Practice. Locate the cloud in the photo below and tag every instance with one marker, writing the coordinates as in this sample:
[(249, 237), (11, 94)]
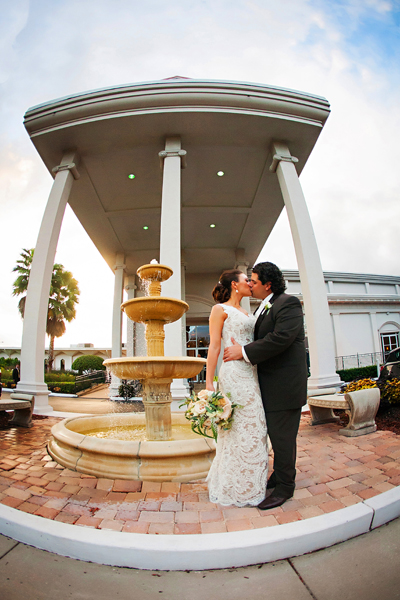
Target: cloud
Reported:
[(345, 50)]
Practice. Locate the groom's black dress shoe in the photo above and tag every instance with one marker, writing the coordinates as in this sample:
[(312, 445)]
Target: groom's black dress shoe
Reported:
[(272, 502)]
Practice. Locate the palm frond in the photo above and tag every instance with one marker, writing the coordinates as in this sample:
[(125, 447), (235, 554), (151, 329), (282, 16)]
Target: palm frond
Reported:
[(63, 296)]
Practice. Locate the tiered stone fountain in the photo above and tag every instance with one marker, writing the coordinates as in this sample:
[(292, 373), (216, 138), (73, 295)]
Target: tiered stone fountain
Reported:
[(165, 449)]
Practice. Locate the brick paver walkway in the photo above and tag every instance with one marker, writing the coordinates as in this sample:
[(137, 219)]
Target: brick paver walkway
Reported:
[(333, 472)]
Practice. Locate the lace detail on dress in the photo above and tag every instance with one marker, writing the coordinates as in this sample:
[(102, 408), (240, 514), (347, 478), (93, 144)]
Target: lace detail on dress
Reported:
[(238, 474)]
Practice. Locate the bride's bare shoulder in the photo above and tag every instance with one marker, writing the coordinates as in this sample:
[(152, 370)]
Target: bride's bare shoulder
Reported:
[(218, 311)]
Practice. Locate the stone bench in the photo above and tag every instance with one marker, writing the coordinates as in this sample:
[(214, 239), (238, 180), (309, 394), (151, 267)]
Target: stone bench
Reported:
[(22, 405), (361, 407)]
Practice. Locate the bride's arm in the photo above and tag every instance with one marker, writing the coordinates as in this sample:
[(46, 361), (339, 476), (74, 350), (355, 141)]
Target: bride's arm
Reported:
[(217, 318)]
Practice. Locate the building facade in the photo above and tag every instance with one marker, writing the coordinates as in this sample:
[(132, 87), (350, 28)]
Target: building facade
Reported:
[(364, 312)]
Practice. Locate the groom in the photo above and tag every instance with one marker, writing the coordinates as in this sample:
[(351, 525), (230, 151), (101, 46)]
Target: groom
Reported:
[(279, 352)]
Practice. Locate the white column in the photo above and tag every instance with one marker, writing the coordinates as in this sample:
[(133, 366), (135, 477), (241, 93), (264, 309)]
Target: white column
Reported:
[(320, 334), (376, 340), (37, 298), (183, 296), (130, 288), (170, 247), (116, 339), (337, 331)]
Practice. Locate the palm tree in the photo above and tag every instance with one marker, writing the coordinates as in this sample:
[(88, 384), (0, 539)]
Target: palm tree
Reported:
[(63, 297)]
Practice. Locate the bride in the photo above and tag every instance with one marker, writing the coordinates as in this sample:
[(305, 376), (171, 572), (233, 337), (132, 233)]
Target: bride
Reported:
[(238, 474)]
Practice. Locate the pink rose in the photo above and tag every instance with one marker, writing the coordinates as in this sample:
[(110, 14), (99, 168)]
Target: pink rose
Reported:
[(226, 405)]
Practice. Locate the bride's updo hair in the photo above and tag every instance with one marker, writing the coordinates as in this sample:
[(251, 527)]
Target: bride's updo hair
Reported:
[(222, 291)]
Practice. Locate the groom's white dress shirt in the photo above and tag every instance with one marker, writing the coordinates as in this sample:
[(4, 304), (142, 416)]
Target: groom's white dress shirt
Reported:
[(260, 309)]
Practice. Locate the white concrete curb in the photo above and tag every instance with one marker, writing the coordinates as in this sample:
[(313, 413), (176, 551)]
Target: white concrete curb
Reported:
[(199, 552), (386, 507)]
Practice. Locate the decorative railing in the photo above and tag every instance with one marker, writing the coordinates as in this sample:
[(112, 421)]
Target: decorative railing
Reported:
[(353, 361)]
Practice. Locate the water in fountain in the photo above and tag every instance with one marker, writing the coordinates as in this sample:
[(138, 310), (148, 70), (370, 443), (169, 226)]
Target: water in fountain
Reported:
[(133, 433)]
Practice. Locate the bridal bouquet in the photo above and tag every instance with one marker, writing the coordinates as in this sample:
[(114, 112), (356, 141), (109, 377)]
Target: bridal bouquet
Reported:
[(209, 410)]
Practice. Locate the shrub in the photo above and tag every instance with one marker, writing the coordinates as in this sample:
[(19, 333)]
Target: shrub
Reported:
[(7, 383), (59, 377), (390, 391), (6, 374), (68, 387), (63, 372), (360, 384), (64, 387), (129, 389), (8, 362), (357, 373), (90, 362)]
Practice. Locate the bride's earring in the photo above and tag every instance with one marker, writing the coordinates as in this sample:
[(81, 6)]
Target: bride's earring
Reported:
[(237, 291)]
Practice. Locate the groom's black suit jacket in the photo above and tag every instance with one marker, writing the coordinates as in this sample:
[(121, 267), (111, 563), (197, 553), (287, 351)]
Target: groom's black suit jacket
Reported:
[(279, 352)]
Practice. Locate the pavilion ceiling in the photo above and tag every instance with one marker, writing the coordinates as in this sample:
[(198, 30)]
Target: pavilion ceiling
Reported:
[(223, 127)]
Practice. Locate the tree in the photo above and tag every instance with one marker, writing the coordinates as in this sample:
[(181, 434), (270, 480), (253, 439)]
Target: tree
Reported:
[(88, 362), (63, 297)]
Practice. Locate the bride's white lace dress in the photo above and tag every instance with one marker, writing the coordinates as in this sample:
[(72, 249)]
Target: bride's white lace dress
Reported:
[(238, 474)]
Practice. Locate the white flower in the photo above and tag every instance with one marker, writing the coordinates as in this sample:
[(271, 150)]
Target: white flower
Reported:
[(204, 394), (199, 407)]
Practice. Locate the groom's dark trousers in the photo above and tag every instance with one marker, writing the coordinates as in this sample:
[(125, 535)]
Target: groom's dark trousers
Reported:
[(279, 352)]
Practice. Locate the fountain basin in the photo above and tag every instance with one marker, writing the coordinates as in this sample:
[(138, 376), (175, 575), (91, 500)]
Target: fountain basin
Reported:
[(175, 460), (148, 308), (155, 367)]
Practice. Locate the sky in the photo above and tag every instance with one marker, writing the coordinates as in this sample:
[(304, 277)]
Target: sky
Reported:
[(345, 50)]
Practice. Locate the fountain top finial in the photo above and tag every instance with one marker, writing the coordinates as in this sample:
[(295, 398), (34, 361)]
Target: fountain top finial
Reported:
[(154, 272)]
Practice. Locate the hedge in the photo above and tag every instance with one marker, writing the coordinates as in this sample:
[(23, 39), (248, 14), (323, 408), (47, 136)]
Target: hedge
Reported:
[(357, 373), (7, 383), (58, 387), (63, 387), (68, 387), (62, 377)]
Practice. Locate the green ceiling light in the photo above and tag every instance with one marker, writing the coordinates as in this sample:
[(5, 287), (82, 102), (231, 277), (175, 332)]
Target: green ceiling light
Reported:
[(220, 173), (145, 227), (212, 225), (131, 176)]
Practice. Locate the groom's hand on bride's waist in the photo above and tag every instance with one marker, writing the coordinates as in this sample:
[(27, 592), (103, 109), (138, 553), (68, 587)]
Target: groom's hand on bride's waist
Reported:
[(233, 352)]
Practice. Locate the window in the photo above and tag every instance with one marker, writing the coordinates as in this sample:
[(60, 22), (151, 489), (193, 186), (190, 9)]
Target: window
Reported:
[(389, 342), (197, 343)]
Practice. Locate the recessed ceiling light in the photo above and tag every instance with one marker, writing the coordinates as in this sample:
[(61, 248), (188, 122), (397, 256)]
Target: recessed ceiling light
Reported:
[(212, 225), (131, 176), (220, 173), (145, 226)]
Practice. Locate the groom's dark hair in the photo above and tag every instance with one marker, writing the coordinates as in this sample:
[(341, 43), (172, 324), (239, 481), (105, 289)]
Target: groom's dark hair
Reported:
[(268, 272)]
